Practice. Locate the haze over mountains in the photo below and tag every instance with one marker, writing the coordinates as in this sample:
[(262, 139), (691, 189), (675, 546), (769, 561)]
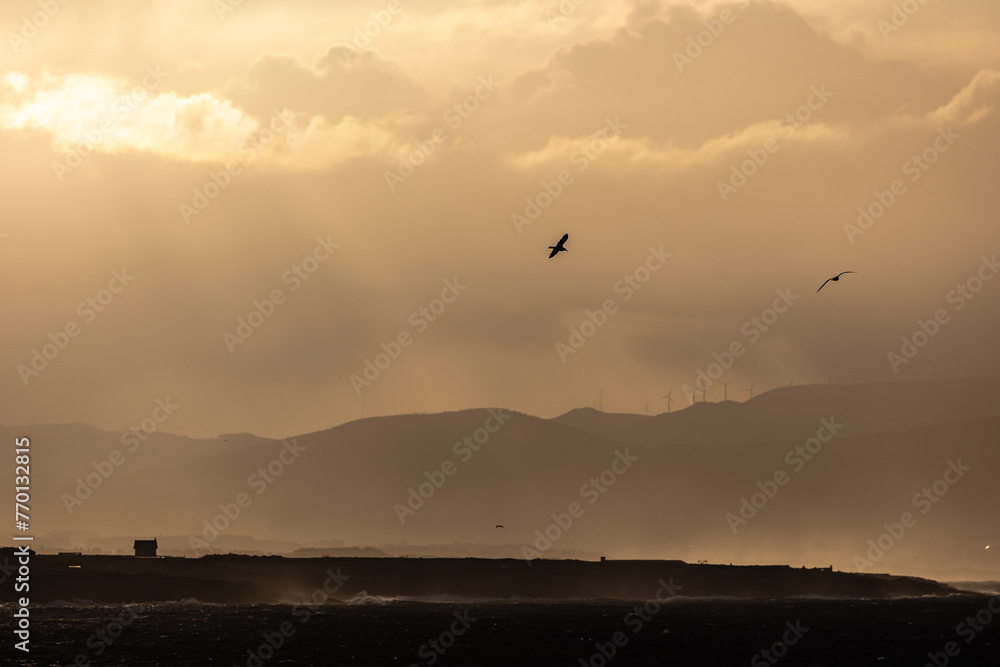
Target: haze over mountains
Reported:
[(789, 412), (680, 485)]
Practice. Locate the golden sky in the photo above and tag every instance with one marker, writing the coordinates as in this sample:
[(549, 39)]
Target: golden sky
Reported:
[(384, 178)]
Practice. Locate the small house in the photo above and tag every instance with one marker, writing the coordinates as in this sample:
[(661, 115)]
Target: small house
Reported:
[(145, 548)]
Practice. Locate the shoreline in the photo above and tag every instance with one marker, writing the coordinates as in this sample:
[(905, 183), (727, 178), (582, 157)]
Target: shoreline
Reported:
[(277, 579)]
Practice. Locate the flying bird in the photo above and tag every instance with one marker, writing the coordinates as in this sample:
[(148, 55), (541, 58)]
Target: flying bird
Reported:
[(559, 247), (499, 526), (835, 278)]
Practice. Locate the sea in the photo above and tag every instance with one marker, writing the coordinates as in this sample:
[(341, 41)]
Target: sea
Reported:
[(450, 630)]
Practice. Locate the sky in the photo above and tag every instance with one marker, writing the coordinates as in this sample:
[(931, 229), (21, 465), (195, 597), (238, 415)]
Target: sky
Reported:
[(284, 216)]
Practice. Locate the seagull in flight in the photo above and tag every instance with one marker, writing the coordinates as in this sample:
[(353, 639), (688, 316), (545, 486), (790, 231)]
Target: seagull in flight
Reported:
[(559, 247), (499, 526), (835, 278)]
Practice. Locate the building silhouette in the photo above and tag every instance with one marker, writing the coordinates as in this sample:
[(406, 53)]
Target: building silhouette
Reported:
[(145, 548)]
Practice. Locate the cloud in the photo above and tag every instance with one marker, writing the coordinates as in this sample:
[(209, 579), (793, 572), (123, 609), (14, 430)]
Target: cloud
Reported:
[(109, 116), (973, 103), (342, 81), (85, 113)]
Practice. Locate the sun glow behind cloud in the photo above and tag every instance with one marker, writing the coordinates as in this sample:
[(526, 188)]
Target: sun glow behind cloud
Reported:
[(94, 112)]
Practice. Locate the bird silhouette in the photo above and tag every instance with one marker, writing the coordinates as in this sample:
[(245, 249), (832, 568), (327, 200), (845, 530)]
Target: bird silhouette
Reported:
[(499, 526), (835, 278), (559, 247)]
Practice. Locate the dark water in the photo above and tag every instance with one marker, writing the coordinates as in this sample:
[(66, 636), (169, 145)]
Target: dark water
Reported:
[(475, 632)]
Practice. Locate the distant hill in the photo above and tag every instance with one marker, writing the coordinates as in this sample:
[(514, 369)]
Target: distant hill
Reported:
[(353, 483), (792, 413), (70, 450)]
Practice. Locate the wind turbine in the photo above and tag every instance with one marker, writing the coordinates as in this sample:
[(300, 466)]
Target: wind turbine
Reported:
[(725, 390), (669, 400), (750, 389), (704, 393)]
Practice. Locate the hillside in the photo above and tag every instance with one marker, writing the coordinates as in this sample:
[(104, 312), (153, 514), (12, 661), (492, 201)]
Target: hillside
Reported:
[(424, 480), (792, 412)]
